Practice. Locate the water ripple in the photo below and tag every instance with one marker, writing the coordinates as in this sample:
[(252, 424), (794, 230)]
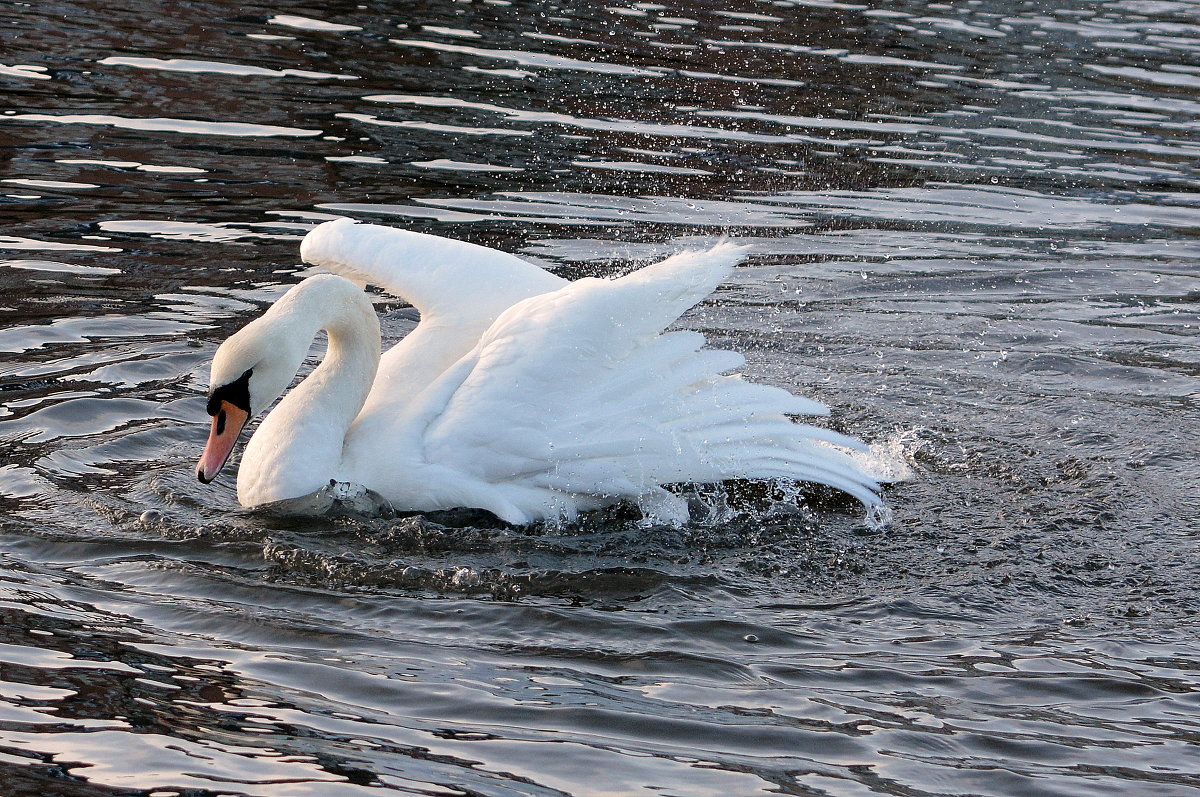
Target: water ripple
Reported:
[(972, 232)]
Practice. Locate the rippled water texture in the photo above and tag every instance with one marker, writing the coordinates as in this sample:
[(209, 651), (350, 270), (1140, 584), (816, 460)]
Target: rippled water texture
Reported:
[(974, 230)]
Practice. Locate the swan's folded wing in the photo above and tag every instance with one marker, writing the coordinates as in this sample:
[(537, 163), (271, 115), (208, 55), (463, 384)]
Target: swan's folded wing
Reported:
[(439, 276), (581, 392)]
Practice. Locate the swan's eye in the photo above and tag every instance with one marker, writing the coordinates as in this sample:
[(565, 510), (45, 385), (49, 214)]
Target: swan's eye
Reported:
[(236, 393)]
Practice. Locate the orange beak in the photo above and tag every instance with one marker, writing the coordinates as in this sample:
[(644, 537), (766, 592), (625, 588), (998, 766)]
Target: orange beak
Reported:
[(226, 426)]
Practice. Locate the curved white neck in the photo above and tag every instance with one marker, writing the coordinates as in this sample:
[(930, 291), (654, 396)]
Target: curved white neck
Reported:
[(298, 447)]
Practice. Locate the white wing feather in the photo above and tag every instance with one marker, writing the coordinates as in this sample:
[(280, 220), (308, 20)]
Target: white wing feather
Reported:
[(459, 289), (580, 393), (439, 276)]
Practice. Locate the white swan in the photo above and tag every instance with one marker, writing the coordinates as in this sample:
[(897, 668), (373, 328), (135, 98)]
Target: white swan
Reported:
[(518, 392)]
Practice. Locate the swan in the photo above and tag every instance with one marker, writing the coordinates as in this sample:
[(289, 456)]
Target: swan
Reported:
[(518, 392)]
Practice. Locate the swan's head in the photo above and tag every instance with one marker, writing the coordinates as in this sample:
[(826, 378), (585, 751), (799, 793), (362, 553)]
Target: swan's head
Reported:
[(249, 371)]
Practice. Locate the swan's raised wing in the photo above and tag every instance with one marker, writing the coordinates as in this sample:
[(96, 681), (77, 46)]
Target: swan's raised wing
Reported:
[(580, 392), (439, 276)]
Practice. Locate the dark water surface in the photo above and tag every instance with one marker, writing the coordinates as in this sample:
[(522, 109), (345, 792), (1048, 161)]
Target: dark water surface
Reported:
[(975, 238)]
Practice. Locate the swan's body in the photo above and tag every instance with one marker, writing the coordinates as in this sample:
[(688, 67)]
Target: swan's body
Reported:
[(518, 392)]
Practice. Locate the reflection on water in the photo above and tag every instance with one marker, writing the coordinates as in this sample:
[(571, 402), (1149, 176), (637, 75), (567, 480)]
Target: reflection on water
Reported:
[(974, 234)]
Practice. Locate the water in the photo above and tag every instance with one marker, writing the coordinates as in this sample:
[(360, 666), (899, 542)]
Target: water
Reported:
[(975, 238)]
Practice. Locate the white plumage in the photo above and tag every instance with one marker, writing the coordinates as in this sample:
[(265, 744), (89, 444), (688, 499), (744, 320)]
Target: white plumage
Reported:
[(518, 392)]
